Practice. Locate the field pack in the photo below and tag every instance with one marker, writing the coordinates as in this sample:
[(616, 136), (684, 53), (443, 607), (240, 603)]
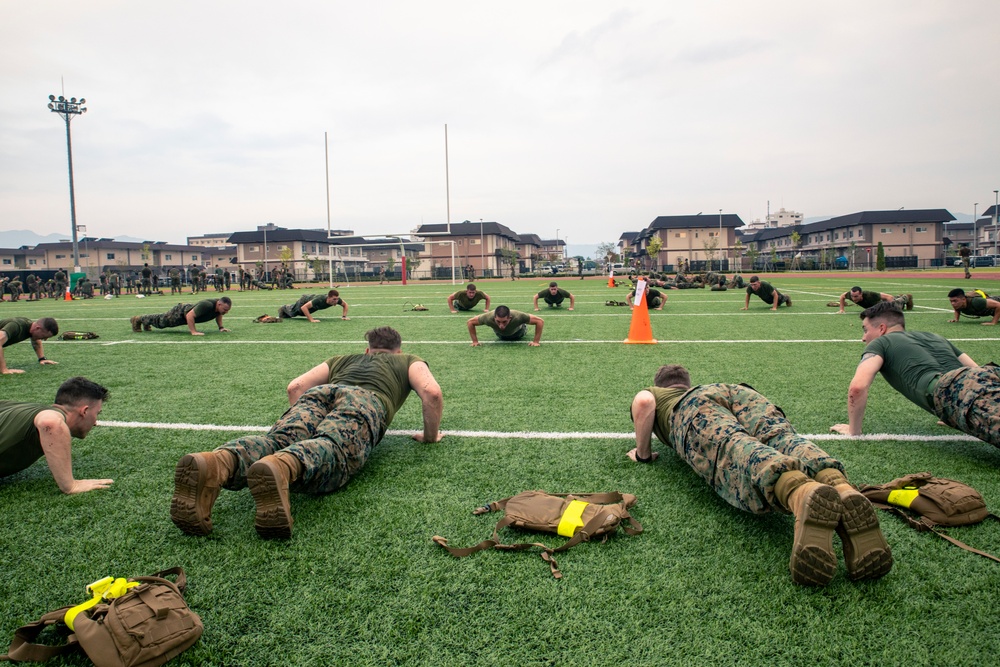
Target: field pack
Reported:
[(266, 319), (931, 502), (580, 517), (139, 622), (78, 335)]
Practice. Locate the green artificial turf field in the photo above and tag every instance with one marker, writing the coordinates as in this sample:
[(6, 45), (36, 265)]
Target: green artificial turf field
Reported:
[(361, 583)]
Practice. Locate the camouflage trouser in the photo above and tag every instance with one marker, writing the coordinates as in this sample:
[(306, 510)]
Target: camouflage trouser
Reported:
[(900, 301), (295, 309), (965, 265), (969, 399), (517, 334), (175, 285), (331, 429), (175, 317), (740, 443), (553, 300), (784, 299)]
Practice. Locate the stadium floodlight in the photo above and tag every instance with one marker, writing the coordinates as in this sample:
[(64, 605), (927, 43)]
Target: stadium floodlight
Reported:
[(68, 109)]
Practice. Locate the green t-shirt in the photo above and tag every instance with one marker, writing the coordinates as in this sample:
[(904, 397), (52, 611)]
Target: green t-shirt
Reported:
[(517, 320), (911, 359), (204, 311), (386, 374), (868, 298), (319, 303), (549, 297), (666, 399), (765, 292), (16, 328), (976, 307), (464, 302), (20, 445)]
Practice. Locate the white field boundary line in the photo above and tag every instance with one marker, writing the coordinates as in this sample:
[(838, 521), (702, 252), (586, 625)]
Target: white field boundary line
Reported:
[(662, 341), (538, 435)]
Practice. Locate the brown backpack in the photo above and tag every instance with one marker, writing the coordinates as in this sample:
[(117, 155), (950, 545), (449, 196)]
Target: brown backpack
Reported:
[(580, 517), (78, 335), (144, 627), (935, 501)]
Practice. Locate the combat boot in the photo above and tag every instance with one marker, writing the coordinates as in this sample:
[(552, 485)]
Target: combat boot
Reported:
[(198, 479), (817, 509), (909, 302), (136, 324), (269, 479), (866, 553)]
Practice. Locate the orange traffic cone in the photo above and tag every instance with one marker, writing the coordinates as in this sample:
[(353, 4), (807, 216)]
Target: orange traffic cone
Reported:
[(640, 331), (611, 279), (69, 297)]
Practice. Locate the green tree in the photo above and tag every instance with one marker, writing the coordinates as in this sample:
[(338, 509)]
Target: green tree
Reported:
[(880, 258), (774, 257), (390, 264), (738, 255), (852, 251), (653, 249), (606, 252), (796, 241), (711, 247), (753, 253)]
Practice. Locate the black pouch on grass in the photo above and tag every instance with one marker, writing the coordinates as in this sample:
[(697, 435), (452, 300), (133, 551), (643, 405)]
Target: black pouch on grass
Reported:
[(930, 502), (580, 517), (79, 335), (146, 626)]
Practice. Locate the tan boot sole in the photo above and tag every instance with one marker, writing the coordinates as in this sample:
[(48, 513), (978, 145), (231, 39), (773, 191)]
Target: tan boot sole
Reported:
[(190, 478), (270, 493), (866, 552), (813, 561)]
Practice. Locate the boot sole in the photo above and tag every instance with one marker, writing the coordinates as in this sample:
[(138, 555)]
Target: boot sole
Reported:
[(866, 552), (274, 515), (189, 482), (813, 561)]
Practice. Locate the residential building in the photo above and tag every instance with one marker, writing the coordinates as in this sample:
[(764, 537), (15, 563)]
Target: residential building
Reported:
[(482, 245), (908, 237), (696, 239)]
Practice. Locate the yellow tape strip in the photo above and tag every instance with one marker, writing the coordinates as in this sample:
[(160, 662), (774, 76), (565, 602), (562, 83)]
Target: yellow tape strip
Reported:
[(572, 518), (903, 497)]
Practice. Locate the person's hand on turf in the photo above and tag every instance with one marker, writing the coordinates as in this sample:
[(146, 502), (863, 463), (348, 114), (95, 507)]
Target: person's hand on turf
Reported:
[(632, 454), (197, 333), (12, 371), (534, 344)]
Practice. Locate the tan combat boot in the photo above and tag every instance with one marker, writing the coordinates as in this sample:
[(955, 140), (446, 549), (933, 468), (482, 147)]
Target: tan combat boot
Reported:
[(198, 479), (866, 553), (817, 509), (269, 479)]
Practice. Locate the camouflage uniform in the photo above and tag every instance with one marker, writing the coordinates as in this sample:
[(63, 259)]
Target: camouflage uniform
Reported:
[(968, 399), (175, 317), (331, 430), (740, 443), (175, 280)]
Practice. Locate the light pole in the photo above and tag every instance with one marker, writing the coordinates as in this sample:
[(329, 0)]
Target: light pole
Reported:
[(557, 241), (975, 228), (996, 203), (67, 109), (720, 240), (86, 247), (482, 250)]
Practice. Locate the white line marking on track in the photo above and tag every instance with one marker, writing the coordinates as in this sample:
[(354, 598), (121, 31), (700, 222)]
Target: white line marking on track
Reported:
[(661, 341), (540, 435)]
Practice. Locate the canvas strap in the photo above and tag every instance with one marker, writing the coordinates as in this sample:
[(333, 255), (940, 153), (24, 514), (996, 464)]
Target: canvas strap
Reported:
[(923, 524), (582, 535), (22, 647)]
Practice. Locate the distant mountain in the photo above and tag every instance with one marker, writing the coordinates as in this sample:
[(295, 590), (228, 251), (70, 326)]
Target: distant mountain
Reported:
[(19, 237)]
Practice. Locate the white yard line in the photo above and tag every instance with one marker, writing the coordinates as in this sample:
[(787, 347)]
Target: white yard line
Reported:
[(536, 435)]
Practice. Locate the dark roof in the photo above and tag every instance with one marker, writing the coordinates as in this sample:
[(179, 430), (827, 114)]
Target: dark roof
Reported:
[(929, 215), (279, 235), (468, 229), (531, 239), (628, 236), (377, 241), (127, 245), (689, 221), (885, 217), (556, 242), (988, 213)]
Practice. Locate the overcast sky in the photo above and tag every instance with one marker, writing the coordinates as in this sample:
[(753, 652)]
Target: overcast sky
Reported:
[(586, 117)]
